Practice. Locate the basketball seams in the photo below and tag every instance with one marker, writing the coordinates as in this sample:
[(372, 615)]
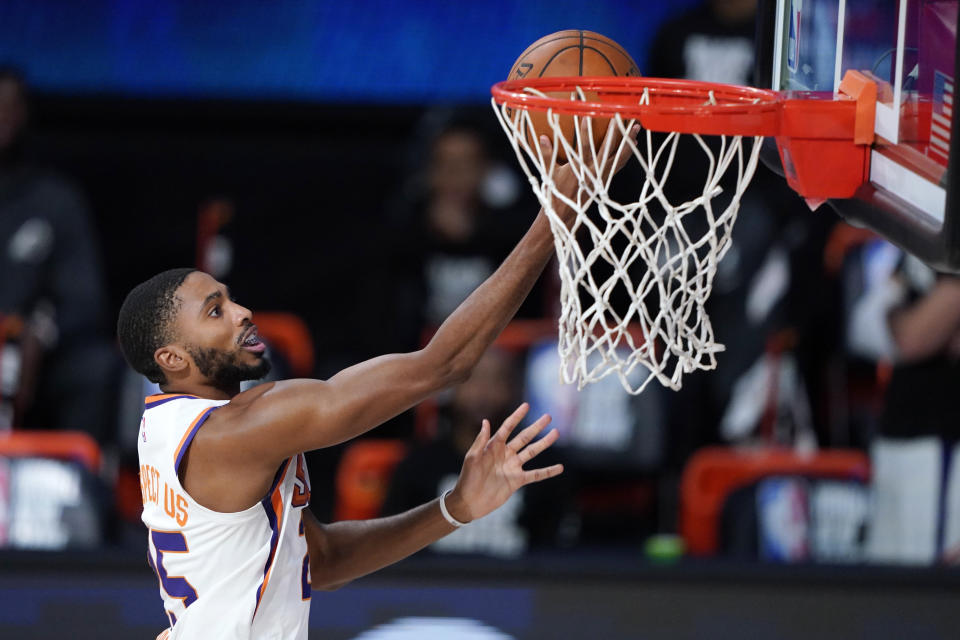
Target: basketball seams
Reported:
[(582, 42), (580, 70), (546, 65), (604, 40), (612, 45), (602, 55), (530, 50), (551, 56), (613, 68), (537, 45)]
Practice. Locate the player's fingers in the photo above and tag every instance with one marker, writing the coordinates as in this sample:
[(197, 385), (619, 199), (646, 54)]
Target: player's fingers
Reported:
[(587, 143), (539, 475), (627, 147), (611, 139), (632, 134), (620, 151), (617, 149), (537, 447), (546, 146), (512, 421), (482, 437), (526, 436)]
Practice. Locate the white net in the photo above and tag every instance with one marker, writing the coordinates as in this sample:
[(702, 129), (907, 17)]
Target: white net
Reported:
[(635, 274)]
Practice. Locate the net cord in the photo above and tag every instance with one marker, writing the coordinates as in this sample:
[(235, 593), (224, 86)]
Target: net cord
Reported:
[(673, 268)]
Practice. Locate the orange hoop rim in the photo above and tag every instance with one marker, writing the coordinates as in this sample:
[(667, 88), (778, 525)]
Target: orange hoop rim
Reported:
[(674, 105)]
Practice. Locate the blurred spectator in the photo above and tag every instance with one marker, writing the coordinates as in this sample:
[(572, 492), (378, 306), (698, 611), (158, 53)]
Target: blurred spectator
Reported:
[(52, 282), (537, 515), (456, 220), (907, 314), (760, 307), (612, 442), (712, 41), (601, 426)]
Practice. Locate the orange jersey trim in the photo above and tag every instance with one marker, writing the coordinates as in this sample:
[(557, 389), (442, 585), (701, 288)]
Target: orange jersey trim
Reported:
[(159, 398), (188, 436), (274, 516), (163, 396)]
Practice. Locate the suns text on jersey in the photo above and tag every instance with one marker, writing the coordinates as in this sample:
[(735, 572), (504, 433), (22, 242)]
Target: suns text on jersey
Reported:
[(174, 503)]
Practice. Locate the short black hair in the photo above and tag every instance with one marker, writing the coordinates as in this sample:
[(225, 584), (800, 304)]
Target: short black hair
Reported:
[(143, 325)]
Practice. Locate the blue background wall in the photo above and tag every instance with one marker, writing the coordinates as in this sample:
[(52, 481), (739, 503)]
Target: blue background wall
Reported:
[(365, 50)]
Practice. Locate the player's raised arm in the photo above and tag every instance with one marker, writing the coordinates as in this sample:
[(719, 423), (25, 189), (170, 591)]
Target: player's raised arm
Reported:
[(285, 418), (295, 416)]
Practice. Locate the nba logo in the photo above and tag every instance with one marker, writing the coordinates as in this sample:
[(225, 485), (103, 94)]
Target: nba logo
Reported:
[(143, 429), (793, 38)]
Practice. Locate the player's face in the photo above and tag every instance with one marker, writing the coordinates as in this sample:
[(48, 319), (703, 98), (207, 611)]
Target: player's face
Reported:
[(218, 333)]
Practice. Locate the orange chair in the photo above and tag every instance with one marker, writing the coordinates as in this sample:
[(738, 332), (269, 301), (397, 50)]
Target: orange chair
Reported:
[(713, 473), (288, 334), (363, 477), (63, 445), (15, 330)]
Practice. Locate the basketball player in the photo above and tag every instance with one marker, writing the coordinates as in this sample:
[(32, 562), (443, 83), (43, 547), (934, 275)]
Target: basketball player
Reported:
[(222, 472)]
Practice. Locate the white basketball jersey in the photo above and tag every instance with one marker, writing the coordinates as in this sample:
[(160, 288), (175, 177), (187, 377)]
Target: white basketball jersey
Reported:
[(222, 575)]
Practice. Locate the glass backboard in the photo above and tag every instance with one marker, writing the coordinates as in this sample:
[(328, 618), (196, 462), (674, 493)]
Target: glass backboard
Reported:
[(909, 47)]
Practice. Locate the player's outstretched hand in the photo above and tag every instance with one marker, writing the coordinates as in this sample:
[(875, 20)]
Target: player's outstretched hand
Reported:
[(611, 156), (606, 157), (493, 467), (589, 164)]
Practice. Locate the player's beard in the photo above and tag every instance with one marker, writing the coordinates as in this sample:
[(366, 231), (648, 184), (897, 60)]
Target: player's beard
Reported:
[(224, 368)]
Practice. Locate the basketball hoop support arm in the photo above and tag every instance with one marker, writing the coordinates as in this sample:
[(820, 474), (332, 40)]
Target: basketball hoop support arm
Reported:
[(824, 140)]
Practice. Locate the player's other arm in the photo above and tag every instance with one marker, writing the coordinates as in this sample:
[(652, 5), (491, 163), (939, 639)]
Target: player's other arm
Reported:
[(492, 472)]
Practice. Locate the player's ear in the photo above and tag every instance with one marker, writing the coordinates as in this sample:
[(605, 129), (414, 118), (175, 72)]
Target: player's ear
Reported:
[(172, 359)]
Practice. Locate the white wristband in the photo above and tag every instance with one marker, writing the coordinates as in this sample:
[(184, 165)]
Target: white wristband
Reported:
[(446, 514)]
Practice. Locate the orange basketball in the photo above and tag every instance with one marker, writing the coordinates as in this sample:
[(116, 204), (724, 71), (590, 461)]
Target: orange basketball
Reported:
[(572, 52)]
